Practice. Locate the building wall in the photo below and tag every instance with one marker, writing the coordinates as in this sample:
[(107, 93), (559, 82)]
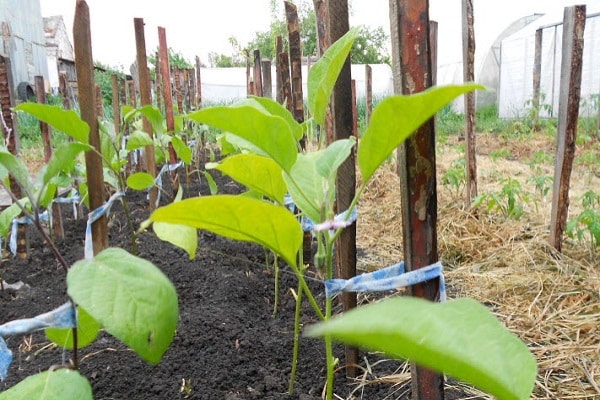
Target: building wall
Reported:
[(23, 40)]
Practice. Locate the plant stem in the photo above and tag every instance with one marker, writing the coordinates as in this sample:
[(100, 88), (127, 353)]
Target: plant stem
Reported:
[(297, 316)]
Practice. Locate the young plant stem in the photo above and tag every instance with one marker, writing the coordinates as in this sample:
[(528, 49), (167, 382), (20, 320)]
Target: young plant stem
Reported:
[(297, 316), (276, 272)]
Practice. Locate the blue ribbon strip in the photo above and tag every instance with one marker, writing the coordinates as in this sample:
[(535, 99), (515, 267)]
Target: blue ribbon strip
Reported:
[(62, 317), (93, 217), (339, 221), (158, 179), (392, 277)]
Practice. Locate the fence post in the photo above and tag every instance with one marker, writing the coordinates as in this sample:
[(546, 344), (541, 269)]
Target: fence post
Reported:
[(88, 106), (257, 74), (291, 14), (469, 76), (537, 75), (368, 93), (568, 115), (416, 165), (267, 79), (342, 123)]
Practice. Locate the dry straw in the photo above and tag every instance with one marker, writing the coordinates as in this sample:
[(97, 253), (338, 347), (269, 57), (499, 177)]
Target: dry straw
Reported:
[(550, 300)]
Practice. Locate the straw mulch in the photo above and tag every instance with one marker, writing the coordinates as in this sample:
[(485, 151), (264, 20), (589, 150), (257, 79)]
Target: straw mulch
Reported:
[(550, 300)]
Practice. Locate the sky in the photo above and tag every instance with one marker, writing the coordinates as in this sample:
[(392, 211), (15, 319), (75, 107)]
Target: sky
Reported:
[(203, 26)]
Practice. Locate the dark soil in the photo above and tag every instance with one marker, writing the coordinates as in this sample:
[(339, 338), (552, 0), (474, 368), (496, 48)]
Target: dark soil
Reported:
[(228, 344)]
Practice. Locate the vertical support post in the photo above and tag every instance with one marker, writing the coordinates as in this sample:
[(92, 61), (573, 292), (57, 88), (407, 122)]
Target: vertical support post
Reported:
[(354, 112), (165, 72), (368, 93), (198, 84), (278, 73), (537, 76), (568, 115), (257, 73), (342, 121), (283, 62), (87, 103), (63, 89), (178, 89), (116, 103), (44, 128), (468, 33), (57, 226), (267, 80), (291, 14), (433, 50), (416, 165), (323, 42), (145, 100), (99, 103)]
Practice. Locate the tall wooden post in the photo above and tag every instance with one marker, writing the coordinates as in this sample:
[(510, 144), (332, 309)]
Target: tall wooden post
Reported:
[(145, 100), (278, 73), (257, 71), (198, 84), (64, 90), (368, 93), (87, 103), (291, 14), (416, 165), (116, 103), (469, 76), (165, 72), (342, 123), (568, 115)]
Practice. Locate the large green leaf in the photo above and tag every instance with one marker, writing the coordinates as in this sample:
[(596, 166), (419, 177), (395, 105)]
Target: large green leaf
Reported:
[(62, 159), (18, 170), (258, 173), (87, 331), (333, 156), (460, 338), (239, 218), (138, 139), (324, 73), (275, 108), (270, 133), (11, 212), (61, 384), (130, 297), (182, 150), (151, 113), (307, 187), (66, 121), (183, 236), (140, 181), (396, 118)]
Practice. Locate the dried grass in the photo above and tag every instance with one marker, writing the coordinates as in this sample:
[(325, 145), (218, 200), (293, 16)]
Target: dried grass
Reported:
[(550, 300)]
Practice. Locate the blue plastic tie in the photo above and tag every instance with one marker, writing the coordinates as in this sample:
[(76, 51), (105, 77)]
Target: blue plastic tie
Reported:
[(392, 277), (64, 316), (93, 217), (158, 179)]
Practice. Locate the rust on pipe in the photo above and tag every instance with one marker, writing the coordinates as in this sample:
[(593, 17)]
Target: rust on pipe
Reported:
[(87, 102), (145, 100)]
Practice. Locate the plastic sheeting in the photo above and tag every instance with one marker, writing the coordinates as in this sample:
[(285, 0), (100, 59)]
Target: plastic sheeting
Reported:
[(516, 67)]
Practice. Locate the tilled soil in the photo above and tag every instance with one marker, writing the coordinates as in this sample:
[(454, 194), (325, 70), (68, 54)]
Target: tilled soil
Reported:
[(228, 343)]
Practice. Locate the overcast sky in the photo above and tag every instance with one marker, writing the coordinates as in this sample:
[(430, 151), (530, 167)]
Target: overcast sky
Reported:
[(199, 27)]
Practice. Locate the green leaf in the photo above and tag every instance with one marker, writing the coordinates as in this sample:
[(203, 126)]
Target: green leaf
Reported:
[(87, 331), (324, 73), (258, 173), (182, 149), (333, 156), (61, 384), (239, 218), (396, 118), (460, 338), (182, 236), (62, 159), (11, 212), (130, 297), (47, 195), (66, 121), (140, 181), (154, 117), (270, 133), (18, 170), (274, 108), (138, 139), (212, 185)]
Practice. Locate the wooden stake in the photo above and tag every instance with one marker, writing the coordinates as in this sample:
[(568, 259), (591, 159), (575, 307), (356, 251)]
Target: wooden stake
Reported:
[(416, 165), (278, 74), (568, 115), (342, 118), (267, 80), (198, 84), (87, 104), (368, 93), (116, 103), (44, 128), (145, 100), (291, 14), (469, 76), (537, 76)]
